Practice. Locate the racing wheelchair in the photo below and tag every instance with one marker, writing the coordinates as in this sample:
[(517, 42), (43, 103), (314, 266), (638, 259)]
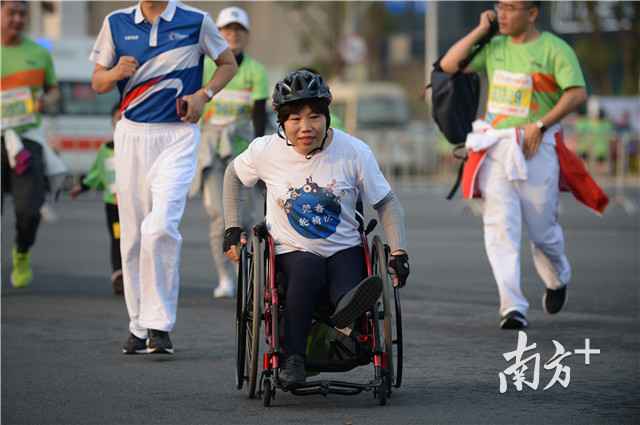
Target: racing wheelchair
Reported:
[(376, 337)]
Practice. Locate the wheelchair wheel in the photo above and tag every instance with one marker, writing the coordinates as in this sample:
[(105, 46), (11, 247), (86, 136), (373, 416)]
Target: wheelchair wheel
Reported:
[(253, 307), (267, 392), (241, 314), (383, 392), (392, 315)]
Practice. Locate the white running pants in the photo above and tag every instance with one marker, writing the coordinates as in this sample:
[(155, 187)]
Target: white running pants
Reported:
[(506, 204), (212, 182), (154, 164)]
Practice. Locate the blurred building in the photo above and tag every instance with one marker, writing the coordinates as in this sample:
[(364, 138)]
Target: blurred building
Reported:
[(353, 41), (290, 34)]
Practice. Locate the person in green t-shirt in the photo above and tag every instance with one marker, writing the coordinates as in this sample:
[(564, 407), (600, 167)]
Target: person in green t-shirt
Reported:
[(595, 134), (102, 177), (28, 85), (231, 120), (534, 82)]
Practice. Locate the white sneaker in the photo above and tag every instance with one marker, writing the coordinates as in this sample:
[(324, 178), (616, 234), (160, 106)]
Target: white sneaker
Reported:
[(225, 289), (48, 214)]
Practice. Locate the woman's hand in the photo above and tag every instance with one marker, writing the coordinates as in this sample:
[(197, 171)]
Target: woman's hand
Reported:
[(399, 268), (234, 238)]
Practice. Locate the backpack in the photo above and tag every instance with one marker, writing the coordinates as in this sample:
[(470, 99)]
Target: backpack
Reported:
[(329, 350), (455, 99)]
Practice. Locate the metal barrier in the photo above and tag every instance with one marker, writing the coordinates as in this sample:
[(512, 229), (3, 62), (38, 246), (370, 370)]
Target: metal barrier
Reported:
[(403, 152), (623, 157)]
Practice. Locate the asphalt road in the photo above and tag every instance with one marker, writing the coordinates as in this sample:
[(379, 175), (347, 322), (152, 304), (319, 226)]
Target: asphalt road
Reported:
[(61, 337)]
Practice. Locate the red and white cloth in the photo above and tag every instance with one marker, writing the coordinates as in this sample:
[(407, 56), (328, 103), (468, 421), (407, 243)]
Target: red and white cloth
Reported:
[(574, 177)]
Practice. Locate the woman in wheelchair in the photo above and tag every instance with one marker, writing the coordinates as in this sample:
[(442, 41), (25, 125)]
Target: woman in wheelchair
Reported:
[(314, 175)]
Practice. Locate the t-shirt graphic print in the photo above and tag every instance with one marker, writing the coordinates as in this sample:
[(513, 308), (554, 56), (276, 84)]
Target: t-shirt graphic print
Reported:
[(313, 211)]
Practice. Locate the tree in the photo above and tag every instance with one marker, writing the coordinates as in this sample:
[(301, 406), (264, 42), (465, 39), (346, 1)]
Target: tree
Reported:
[(326, 24), (599, 51), (321, 32), (629, 42)]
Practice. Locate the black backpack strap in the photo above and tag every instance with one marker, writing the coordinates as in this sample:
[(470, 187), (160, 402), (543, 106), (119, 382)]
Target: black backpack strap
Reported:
[(463, 159), (466, 61)]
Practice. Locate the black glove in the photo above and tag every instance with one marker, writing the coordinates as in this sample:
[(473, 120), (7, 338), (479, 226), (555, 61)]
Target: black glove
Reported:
[(231, 238), (399, 268)]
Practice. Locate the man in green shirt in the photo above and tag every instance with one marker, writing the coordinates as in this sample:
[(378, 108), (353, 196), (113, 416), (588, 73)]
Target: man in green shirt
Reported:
[(102, 177), (229, 123), (534, 81), (28, 85)]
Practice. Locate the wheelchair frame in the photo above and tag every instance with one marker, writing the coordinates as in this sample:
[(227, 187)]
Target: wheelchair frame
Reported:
[(258, 300)]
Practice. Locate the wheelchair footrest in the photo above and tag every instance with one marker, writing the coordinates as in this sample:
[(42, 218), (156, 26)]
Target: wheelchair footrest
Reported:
[(325, 387)]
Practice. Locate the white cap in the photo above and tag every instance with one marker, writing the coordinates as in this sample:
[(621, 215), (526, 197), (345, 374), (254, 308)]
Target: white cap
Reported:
[(232, 15)]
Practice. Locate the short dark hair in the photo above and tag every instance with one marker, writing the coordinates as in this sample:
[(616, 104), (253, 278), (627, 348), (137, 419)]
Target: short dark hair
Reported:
[(537, 4), (24, 3), (319, 106)]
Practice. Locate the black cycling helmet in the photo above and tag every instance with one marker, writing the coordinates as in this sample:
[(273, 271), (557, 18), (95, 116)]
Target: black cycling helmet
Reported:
[(300, 85)]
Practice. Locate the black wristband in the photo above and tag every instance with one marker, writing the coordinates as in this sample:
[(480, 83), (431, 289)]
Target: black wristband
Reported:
[(231, 238)]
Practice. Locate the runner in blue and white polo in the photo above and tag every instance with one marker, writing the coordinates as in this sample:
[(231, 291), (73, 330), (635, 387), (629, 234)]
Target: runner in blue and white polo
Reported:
[(154, 53)]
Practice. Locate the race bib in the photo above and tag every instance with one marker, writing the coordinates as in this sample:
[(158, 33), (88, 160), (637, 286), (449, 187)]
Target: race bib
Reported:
[(18, 108), (228, 106), (510, 94)]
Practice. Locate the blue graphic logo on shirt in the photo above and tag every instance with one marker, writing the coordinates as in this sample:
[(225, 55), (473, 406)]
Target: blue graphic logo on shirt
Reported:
[(313, 211)]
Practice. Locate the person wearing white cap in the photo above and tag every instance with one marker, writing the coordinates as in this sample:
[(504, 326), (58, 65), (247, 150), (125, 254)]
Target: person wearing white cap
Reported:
[(153, 53), (230, 121)]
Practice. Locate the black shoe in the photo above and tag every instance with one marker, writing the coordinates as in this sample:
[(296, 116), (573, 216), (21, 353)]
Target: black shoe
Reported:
[(134, 345), (357, 301), (514, 320), (159, 342), (117, 283), (553, 299), (293, 373)]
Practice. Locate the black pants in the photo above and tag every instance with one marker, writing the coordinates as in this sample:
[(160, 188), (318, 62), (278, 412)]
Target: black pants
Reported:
[(113, 224), (28, 192), (311, 280)]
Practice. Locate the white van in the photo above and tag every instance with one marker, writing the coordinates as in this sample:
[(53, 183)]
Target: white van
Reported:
[(379, 114), (82, 122)]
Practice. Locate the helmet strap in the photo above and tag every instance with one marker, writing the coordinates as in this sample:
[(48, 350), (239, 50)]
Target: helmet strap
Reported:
[(310, 154), (285, 138)]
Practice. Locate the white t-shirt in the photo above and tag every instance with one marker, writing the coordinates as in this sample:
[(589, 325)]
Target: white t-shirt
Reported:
[(311, 202)]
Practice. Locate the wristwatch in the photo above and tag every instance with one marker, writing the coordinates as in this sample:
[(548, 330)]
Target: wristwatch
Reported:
[(208, 92), (541, 126)]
